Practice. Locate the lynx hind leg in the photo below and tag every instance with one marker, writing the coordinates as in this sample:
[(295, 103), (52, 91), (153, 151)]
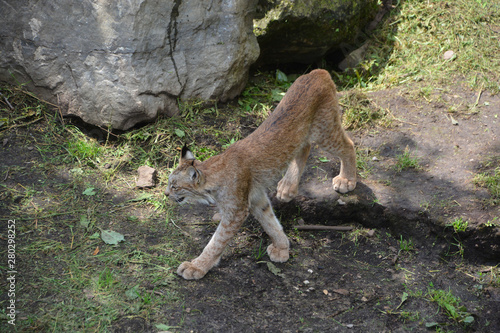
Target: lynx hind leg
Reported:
[(344, 149), (346, 180), (262, 210), (330, 135), (288, 186)]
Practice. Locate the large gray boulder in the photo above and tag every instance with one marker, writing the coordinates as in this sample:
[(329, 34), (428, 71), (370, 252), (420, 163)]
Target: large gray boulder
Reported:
[(121, 62), (304, 31)]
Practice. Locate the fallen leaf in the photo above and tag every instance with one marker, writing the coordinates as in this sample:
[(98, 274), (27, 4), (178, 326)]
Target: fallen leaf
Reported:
[(96, 251), (89, 191), (111, 237), (344, 292), (404, 297), (275, 270), (325, 292), (281, 77), (84, 221), (163, 327), (180, 133)]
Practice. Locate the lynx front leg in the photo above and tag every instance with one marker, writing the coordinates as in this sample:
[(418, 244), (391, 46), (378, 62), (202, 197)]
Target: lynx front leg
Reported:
[(229, 225), (262, 210), (288, 187)]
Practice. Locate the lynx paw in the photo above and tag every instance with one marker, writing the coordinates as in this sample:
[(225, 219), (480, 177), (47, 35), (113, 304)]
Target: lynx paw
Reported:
[(286, 190), (343, 185), (190, 272), (277, 254)]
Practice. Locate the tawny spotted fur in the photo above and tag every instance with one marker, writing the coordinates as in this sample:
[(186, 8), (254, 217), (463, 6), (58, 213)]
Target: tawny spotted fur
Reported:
[(236, 180)]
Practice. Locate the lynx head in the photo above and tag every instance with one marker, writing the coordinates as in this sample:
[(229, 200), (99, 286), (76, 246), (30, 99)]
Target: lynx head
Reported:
[(185, 184)]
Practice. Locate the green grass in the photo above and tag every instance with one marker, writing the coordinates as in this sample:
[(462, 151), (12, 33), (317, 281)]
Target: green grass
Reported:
[(450, 304), (406, 245), (81, 147), (260, 251), (360, 111), (490, 276), (490, 180), (459, 225), (409, 46), (406, 161), (364, 158)]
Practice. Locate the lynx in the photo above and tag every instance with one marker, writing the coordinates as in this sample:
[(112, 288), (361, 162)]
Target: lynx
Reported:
[(237, 179)]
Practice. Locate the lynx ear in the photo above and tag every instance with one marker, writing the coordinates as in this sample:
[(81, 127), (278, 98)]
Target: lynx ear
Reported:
[(186, 154), (193, 174)]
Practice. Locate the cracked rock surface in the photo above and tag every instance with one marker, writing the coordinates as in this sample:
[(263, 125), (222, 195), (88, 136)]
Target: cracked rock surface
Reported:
[(120, 63)]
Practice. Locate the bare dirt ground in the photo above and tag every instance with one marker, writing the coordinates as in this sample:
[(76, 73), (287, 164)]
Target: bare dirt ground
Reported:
[(366, 281)]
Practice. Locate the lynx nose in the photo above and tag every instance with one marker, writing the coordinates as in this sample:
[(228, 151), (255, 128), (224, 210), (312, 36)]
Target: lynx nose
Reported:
[(167, 192)]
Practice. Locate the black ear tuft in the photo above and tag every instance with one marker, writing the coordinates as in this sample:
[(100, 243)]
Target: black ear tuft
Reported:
[(186, 154), (185, 149)]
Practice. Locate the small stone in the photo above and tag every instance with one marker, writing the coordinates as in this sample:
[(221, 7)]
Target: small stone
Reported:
[(310, 271), (340, 202), (306, 281), (217, 217), (325, 292), (370, 233), (147, 177), (448, 55), (375, 158)]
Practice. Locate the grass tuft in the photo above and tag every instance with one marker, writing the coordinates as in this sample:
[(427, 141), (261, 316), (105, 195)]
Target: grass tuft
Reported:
[(406, 161), (359, 111), (490, 180), (450, 304)]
